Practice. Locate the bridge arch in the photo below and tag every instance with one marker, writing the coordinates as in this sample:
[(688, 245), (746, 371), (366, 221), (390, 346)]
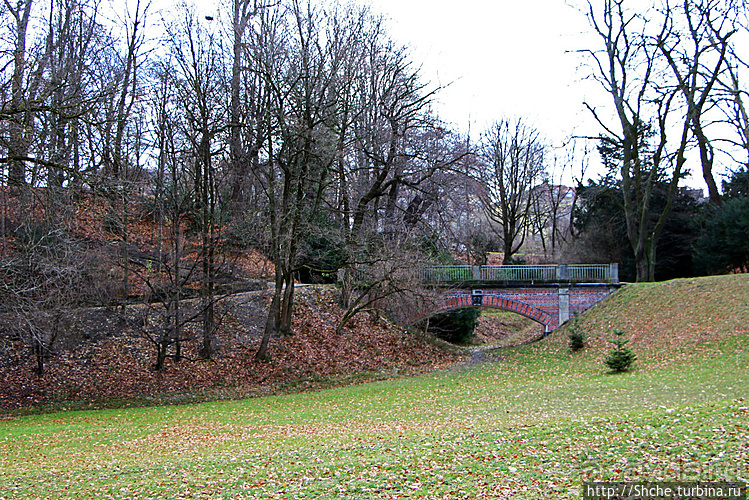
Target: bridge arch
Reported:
[(494, 301)]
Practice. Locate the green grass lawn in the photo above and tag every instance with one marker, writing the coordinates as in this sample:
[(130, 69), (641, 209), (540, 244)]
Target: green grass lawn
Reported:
[(534, 424)]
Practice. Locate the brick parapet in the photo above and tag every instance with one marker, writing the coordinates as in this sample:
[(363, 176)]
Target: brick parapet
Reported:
[(540, 304)]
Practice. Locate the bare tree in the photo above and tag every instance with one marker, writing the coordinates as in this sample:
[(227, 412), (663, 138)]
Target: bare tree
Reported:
[(397, 147), (732, 88), (697, 49), (123, 127), (389, 281), (627, 68), (735, 108), (245, 113), (172, 197), (16, 115), (512, 155), (553, 202), (296, 71), (201, 92), (41, 283)]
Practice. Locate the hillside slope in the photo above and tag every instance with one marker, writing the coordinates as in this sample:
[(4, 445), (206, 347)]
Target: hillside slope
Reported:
[(666, 321), (536, 424), (100, 358), (670, 322)]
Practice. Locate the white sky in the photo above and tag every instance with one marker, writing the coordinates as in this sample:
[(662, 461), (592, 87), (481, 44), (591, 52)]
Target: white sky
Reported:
[(497, 58), (501, 58), (513, 58)]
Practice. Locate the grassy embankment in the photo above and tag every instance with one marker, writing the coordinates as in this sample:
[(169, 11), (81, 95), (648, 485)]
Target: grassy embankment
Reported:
[(534, 424)]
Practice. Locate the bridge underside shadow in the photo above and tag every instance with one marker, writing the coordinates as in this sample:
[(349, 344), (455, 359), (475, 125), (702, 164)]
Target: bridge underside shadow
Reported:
[(549, 306), (498, 302)]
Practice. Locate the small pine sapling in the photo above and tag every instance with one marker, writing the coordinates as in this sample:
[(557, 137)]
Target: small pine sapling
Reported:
[(621, 358), (576, 336)]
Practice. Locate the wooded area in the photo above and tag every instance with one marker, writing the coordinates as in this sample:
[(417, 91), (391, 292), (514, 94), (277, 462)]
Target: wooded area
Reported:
[(144, 155)]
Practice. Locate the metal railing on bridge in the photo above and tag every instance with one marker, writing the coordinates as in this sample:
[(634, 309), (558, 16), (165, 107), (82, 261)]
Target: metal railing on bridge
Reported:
[(593, 273), (577, 273)]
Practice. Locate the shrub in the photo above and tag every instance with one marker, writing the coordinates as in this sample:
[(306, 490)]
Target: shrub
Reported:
[(724, 247), (455, 327), (576, 336), (515, 260), (621, 358), (244, 231), (113, 224)]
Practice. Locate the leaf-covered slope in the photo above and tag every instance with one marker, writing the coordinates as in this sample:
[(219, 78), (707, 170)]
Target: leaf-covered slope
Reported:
[(102, 362), (669, 318)]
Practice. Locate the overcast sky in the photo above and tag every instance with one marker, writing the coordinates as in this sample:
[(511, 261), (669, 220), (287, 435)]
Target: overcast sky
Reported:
[(496, 57), (514, 58), (501, 58)]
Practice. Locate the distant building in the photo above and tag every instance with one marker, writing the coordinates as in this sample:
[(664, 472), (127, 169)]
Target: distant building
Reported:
[(697, 195)]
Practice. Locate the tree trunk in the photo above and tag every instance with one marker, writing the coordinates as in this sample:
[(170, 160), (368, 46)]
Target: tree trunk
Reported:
[(507, 248), (238, 167), (17, 145), (161, 348), (125, 252), (208, 292), (650, 257), (271, 322), (38, 348), (346, 285), (707, 171), (287, 306)]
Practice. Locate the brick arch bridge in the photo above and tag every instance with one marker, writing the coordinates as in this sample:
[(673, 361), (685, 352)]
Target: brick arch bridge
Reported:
[(550, 306)]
